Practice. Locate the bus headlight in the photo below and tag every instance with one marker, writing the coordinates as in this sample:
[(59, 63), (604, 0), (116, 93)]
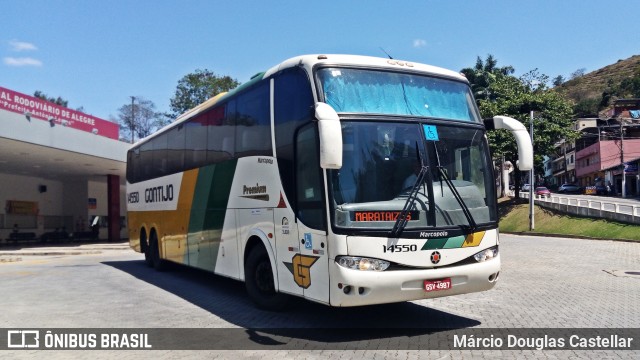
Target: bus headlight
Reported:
[(362, 263), (486, 254)]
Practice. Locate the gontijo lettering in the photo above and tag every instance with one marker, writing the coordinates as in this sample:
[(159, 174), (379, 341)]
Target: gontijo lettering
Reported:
[(159, 194)]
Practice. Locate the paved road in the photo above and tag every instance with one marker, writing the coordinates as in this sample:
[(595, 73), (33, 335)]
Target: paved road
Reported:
[(545, 283)]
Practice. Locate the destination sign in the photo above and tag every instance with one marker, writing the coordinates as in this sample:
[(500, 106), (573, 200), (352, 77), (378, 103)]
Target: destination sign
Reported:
[(382, 215)]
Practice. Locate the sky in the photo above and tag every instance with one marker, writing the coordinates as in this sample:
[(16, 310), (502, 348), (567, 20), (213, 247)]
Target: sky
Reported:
[(97, 54)]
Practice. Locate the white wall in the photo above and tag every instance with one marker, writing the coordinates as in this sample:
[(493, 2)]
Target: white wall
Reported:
[(68, 198), (24, 188)]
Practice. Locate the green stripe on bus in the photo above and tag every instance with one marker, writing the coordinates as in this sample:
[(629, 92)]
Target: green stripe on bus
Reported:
[(432, 244), (454, 242), (208, 211)]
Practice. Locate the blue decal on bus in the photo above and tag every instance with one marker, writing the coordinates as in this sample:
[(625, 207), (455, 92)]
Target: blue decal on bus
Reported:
[(307, 241), (431, 132)]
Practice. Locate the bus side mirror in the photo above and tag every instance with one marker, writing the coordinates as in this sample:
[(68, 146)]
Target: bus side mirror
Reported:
[(330, 133), (523, 140)]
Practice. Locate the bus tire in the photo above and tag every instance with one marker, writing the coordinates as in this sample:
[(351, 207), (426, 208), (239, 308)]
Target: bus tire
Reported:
[(147, 256), (259, 281), (146, 249), (154, 248)]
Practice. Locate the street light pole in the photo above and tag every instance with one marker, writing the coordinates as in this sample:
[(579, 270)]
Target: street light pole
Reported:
[(531, 184), (133, 119), (624, 177)]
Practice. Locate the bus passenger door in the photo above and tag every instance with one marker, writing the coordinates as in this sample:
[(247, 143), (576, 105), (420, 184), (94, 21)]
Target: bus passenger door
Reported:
[(288, 250), (312, 266), (311, 269)]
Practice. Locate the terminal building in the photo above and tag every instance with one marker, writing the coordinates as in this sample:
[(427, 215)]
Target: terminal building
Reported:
[(61, 171)]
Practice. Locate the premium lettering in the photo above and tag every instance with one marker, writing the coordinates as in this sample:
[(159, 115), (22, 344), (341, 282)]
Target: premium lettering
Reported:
[(258, 189)]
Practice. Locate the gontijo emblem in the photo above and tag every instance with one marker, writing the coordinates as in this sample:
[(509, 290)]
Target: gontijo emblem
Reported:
[(300, 267), (435, 257)]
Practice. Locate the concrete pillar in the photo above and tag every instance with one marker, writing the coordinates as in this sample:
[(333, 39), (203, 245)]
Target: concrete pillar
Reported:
[(113, 211)]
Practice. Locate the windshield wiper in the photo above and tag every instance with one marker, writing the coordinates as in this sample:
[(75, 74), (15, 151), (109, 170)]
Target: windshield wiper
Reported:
[(454, 191), (401, 220)]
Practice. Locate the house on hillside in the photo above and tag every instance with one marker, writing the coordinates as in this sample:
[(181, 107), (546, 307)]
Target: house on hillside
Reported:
[(606, 144), (560, 166)]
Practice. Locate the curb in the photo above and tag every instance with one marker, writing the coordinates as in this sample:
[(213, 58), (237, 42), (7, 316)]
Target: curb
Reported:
[(86, 249), (50, 253), (577, 237)]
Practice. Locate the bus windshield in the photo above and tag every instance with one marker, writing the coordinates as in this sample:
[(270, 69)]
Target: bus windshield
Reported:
[(381, 162), (391, 93)]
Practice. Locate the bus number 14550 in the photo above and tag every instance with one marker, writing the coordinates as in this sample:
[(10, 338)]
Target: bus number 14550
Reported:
[(399, 248)]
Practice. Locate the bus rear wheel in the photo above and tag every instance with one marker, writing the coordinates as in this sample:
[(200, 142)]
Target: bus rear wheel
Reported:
[(154, 249), (148, 259), (259, 281), (146, 249)]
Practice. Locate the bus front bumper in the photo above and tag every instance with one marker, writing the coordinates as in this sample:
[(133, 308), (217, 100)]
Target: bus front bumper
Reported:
[(355, 288)]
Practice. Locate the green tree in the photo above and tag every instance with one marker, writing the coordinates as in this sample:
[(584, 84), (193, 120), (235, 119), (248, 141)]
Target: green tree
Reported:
[(516, 97), (578, 73), (505, 94), (58, 101), (195, 88), (588, 107), (558, 80), (139, 119), (483, 74), (630, 86)]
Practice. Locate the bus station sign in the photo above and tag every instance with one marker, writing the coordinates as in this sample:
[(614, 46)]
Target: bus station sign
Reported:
[(35, 108)]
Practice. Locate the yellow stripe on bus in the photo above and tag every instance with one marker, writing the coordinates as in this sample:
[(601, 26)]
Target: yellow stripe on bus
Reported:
[(473, 239), (171, 225)]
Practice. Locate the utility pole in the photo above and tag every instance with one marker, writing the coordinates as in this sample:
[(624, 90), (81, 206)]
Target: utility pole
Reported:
[(624, 177), (133, 119), (531, 184)]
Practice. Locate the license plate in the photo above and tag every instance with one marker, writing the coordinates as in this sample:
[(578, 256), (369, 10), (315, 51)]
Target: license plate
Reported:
[(437, 285)]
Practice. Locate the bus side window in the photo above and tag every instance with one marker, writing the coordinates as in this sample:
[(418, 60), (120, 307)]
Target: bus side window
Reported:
[(220, 136), (293, 107), (133, 165), (146, 161), (195, 154), (175, 149), (160, 155), (253, 130), (309, 179)]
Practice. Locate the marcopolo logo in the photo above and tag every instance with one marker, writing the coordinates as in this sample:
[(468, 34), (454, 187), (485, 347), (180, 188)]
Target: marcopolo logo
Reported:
[(433, 234)]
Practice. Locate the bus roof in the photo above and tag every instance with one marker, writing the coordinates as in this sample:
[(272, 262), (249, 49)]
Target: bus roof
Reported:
[(309, 62)]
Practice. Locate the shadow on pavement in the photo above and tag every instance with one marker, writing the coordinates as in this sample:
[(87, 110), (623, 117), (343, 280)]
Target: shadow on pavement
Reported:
[(302, 320)]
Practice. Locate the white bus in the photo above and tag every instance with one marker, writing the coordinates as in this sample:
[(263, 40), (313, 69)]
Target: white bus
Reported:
[(345, 180)]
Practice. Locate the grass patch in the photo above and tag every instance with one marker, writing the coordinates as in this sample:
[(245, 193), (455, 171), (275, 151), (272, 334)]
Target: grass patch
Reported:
[(514, 218)]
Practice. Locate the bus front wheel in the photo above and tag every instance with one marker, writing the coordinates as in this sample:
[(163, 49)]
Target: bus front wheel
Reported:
[(259, 281)]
